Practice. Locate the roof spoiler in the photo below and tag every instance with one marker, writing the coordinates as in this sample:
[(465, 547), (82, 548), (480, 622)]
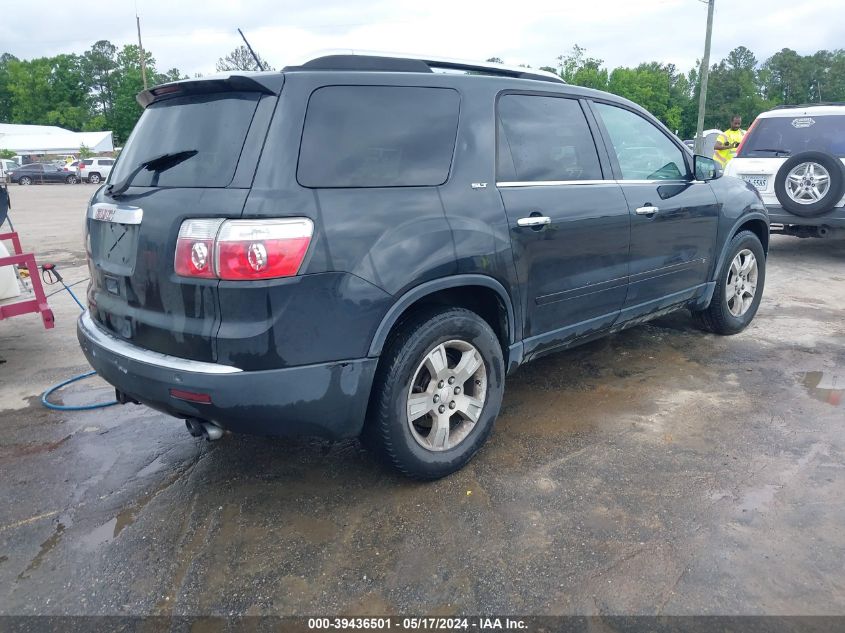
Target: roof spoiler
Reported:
[(267, 83)]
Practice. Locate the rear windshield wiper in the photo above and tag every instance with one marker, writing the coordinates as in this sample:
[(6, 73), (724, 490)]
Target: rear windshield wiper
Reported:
[(785, 152), (157, 164)]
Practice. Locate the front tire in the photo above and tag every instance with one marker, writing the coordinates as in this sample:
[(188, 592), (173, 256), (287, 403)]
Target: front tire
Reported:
[(25, 180), (437, 393), (94, 179), (739, 287)]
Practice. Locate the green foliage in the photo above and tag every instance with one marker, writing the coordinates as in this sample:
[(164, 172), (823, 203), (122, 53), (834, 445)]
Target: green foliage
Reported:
[(737, 85), (97, 90), (7, 153), (85, 151), (241, 59)]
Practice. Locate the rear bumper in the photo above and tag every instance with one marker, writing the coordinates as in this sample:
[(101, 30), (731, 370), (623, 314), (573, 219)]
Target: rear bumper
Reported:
[(328, 399), (833, 218)]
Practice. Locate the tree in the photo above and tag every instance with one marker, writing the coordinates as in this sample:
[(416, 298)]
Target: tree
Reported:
[(575, 68), (99, 64), (5, 92), (733, 89), (240, 59)]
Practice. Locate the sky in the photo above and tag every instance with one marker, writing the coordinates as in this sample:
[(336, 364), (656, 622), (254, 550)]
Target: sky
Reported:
[(192, 34)]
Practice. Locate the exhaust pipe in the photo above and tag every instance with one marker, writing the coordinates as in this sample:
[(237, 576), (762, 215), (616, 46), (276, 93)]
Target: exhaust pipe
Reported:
[(123, 398), (828, 232), (211, 431), (203, 428)]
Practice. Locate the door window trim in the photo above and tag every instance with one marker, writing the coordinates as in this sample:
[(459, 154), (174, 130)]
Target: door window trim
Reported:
[(601, 152), (614, 161)]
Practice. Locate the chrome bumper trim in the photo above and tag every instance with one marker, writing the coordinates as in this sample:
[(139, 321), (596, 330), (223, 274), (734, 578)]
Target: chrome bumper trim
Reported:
[(110, 343)]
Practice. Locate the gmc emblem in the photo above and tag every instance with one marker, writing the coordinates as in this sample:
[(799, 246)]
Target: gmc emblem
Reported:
[(106, 214)]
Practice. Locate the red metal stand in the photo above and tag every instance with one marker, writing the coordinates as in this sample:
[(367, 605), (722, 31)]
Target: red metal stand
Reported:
[(26, 306)]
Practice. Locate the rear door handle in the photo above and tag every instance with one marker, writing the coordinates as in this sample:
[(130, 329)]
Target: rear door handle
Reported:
[(647, 210), (534, 220)]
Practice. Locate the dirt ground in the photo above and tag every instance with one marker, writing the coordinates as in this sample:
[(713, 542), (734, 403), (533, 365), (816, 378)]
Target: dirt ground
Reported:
[(660, 470)]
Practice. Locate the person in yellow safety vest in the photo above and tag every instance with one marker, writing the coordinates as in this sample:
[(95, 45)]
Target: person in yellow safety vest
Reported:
[(728, 141)]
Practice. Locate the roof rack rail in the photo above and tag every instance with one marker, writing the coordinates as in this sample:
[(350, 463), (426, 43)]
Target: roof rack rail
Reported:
[(786, 106), (348, 59)]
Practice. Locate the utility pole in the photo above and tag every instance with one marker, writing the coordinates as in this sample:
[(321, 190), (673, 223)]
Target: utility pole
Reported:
[(143, 56), (704, 74)]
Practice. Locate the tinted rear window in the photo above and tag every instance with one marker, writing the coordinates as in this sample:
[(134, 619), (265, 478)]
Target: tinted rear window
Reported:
[(378, 136), (214, 125), (796, 134), (544, 139)]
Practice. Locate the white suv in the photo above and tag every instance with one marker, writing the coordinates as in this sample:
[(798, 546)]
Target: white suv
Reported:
[(795, 157), (95, 170)]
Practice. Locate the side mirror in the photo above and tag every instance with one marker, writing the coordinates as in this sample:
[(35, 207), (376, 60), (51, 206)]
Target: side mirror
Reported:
[(706, 168)]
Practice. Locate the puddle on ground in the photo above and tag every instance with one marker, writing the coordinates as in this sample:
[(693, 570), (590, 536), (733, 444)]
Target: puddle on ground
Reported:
[(826, 386), (46, 547), (99, 535)]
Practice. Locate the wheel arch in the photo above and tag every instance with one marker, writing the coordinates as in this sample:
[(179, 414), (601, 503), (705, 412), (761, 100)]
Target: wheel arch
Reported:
[(482, 294), (757, 223)]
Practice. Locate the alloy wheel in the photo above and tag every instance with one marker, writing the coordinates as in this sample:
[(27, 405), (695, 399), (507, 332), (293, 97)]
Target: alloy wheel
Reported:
[(807, 183), (741, 286), (447, 395)]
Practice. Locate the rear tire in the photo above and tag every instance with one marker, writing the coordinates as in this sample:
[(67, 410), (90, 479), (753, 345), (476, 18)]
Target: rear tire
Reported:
[(71, 180), (739, 287), (448, 362)]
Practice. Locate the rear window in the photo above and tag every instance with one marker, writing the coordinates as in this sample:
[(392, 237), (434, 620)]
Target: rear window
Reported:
[(90, 161), (780, 136), (378, 136), (215, 126), (544, 139)]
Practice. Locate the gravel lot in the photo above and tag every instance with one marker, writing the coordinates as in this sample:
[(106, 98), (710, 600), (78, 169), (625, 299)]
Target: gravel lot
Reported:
[(661, 470)]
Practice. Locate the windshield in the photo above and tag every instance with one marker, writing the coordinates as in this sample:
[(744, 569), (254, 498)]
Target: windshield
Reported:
[(214, 125), (782, 136)]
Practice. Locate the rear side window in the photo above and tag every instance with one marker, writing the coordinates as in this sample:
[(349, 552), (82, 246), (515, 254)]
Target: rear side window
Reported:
[(544, 139), (215, 126), (781, 136), (378, 136), (90, 161)]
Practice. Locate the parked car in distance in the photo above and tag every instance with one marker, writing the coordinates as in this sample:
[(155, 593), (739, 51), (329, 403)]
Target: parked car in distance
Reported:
[(361, 246), (6, 167), (795, 157), (41, 173), (95, 170), (72, 167)]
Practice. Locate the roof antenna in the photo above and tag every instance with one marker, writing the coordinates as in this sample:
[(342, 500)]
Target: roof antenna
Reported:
[(254, 56)]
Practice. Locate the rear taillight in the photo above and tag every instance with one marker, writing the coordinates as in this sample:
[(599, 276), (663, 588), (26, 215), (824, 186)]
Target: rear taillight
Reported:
[(195, 248), (242, 249), (745, 136)]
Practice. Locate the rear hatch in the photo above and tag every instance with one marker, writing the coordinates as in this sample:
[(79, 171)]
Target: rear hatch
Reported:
[(210, 133), (772, 140)]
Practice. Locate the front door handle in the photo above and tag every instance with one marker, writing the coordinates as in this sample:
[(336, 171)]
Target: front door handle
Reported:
[(647, 210), (534, 220)]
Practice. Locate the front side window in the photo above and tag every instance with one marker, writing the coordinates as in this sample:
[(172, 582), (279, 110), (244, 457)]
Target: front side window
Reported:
[(378, 136), (542, 139), (643, 151)]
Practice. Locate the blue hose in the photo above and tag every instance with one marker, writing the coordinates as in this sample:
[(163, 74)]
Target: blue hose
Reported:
[(46, 394), (65, 407)]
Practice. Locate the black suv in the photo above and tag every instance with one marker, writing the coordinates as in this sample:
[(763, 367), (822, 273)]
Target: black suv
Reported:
[(362, 246)]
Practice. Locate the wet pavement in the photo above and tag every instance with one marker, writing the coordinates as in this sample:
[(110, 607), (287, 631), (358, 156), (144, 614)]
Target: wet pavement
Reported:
[(660, 470)]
